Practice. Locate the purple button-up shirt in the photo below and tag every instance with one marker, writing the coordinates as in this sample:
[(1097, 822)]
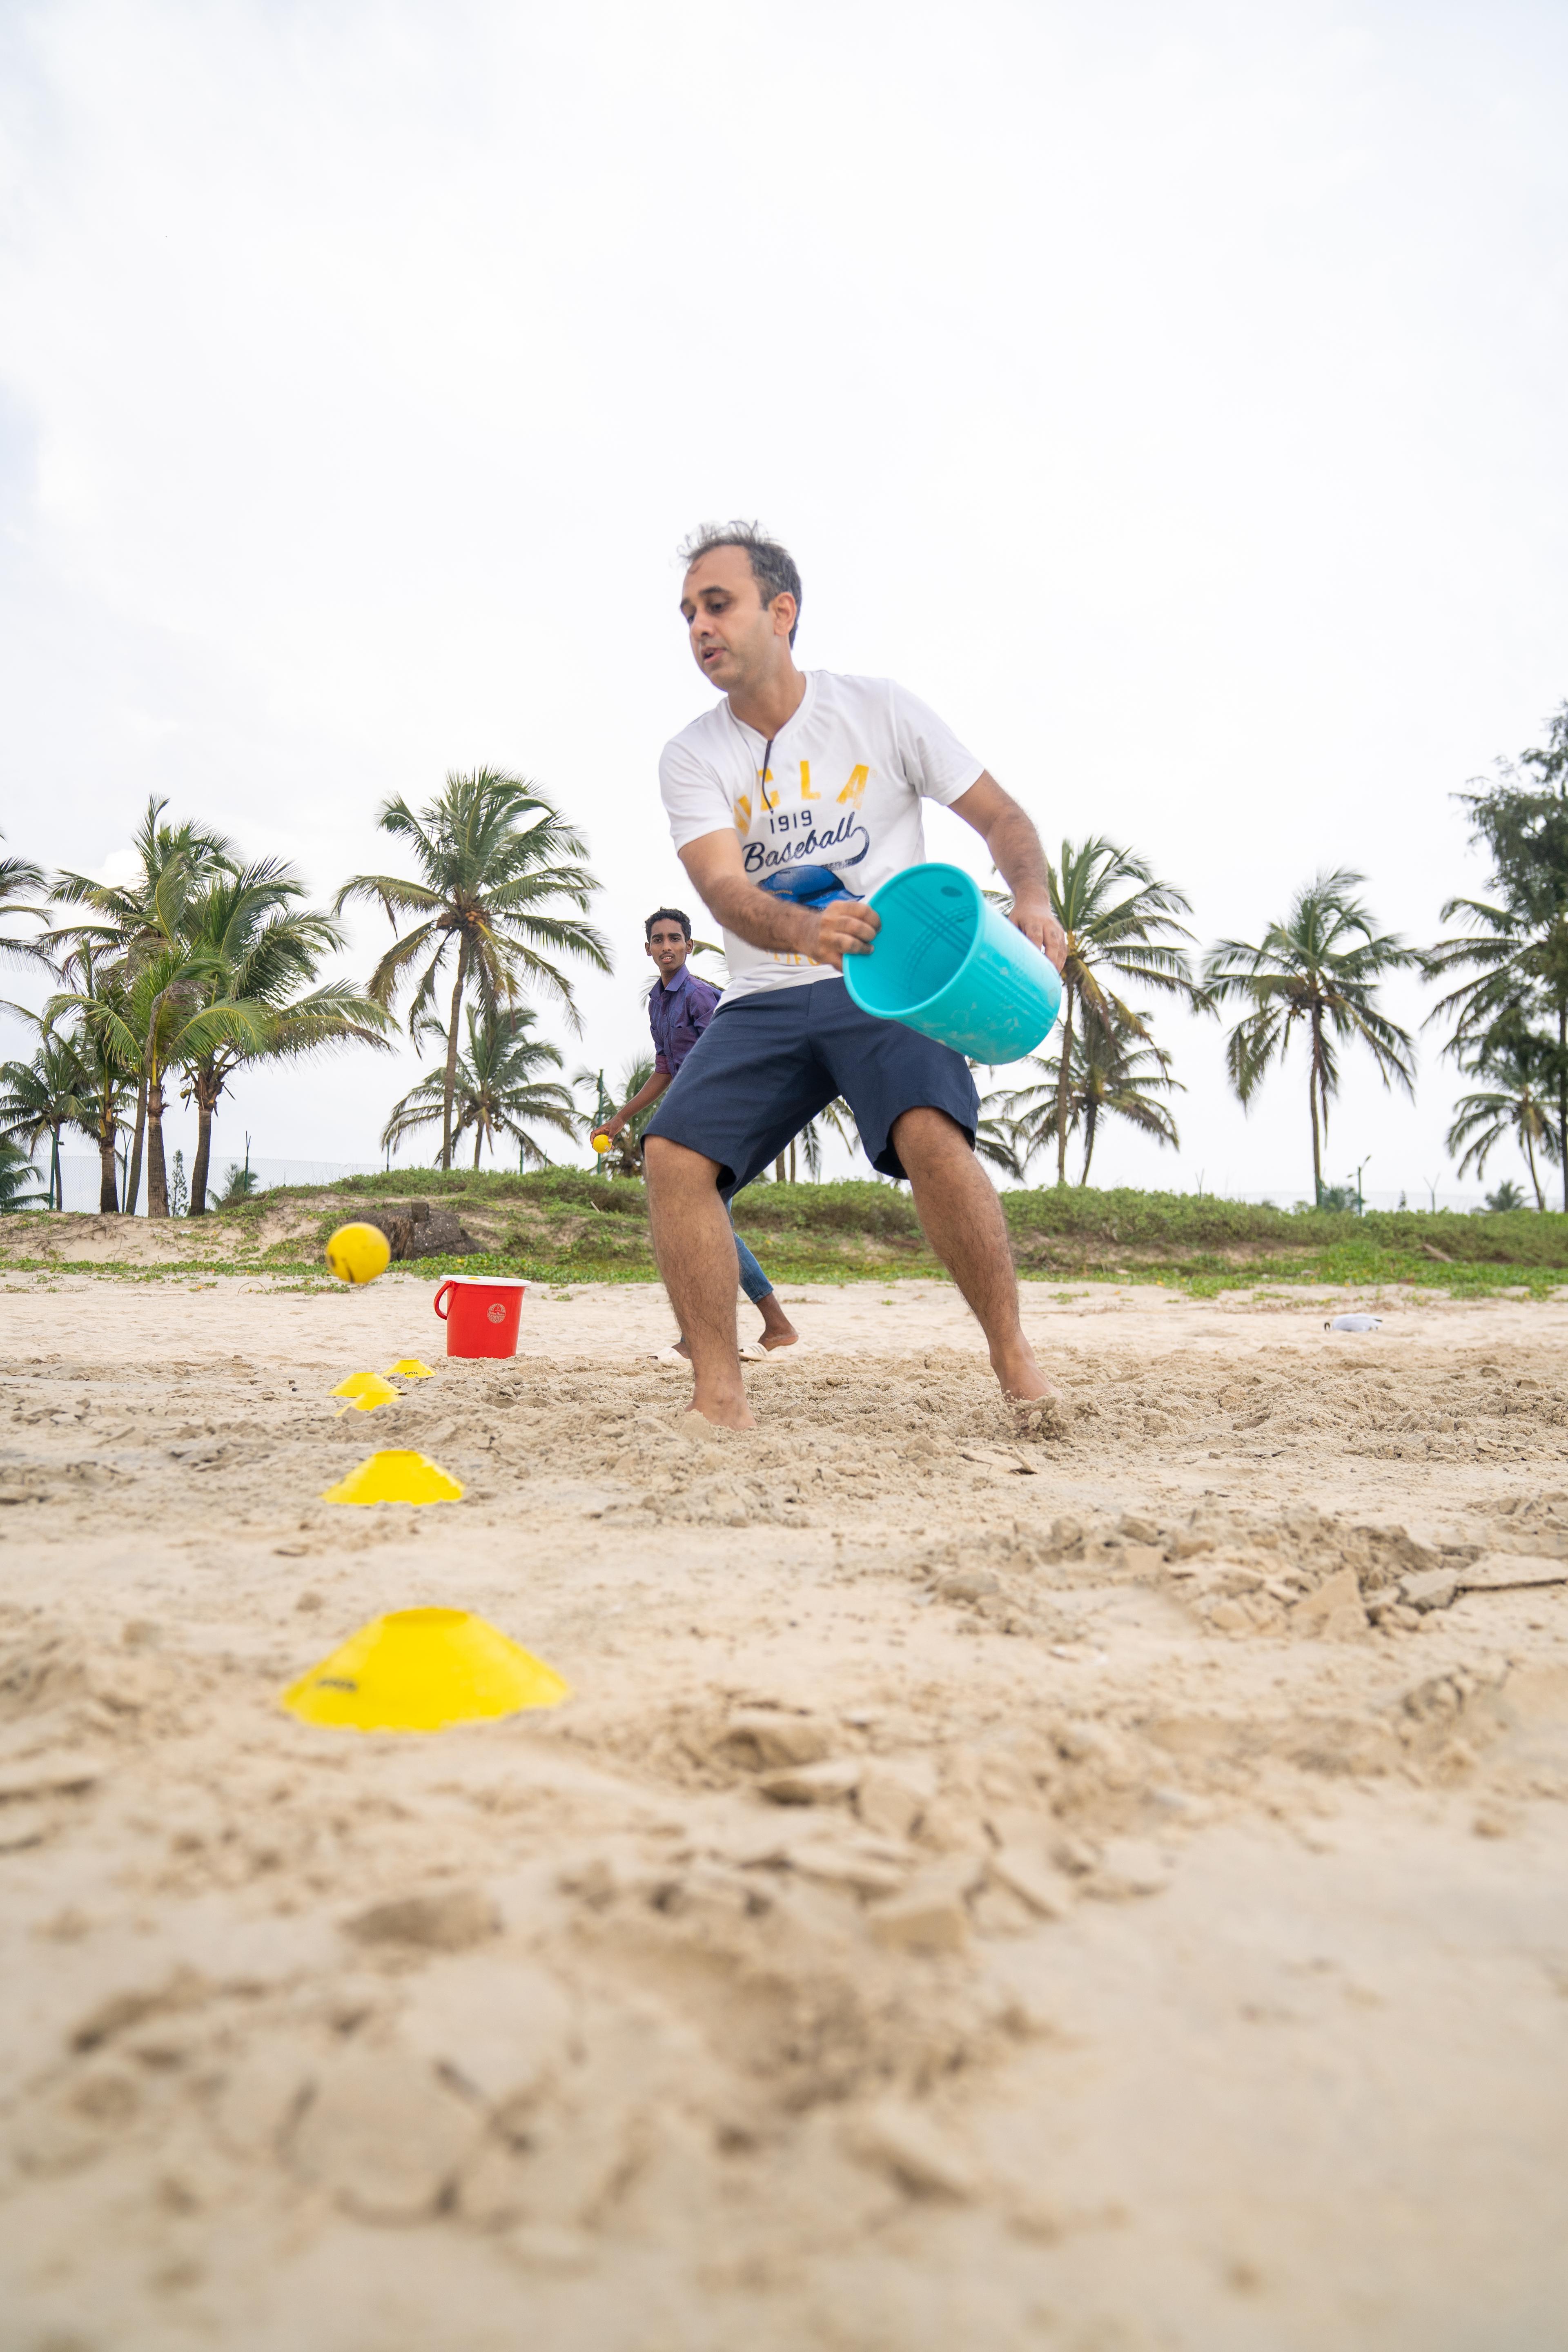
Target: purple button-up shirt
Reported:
[(678, 1014)]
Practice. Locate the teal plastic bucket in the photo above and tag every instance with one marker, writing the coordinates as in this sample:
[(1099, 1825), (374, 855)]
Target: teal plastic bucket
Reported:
[(946, 964)]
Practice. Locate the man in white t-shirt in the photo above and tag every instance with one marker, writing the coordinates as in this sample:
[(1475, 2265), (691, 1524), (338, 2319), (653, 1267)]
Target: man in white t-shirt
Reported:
[(789, 804)]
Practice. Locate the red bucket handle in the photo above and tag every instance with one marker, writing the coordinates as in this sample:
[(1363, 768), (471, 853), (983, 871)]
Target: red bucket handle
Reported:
[(436, 1303)]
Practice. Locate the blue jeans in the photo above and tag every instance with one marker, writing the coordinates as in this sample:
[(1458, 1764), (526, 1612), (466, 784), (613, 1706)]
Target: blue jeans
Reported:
[(753, 1281)]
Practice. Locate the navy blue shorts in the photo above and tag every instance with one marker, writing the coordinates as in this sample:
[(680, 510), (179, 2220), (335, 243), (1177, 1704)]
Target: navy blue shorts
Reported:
[(767, 1064)]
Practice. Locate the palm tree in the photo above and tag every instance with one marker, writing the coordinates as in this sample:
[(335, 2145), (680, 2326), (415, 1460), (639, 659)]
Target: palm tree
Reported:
[(15, 1168), (1515, 950), (42, 1096), (1514, 1104), (624, 1156), (20, 880), (1122, 1079), (495, 858), (495, 1091), (1321, 967), (1111, 1075), (131, 922), (838, 1119), (107, 1087), (263, 950), (1118, 920), (166, 1018)]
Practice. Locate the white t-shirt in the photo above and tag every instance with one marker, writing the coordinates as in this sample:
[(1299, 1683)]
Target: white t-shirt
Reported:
[(837, 811)]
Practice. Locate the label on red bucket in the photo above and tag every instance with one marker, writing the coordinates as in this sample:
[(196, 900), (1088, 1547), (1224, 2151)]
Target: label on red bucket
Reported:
[(481, 1313)]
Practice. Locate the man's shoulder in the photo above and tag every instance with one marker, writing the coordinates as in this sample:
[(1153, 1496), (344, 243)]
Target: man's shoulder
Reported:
[(706, 739), (863, 699)]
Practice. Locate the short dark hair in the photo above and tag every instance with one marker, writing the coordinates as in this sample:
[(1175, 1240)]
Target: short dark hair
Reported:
[(667, 915), (773, 566)]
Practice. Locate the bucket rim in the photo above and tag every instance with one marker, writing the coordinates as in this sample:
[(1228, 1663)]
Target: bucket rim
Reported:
[(489, 1281), (976, 907)]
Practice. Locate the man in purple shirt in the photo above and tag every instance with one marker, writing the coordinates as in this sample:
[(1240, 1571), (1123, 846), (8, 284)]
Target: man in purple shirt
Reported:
[(679, 1008)]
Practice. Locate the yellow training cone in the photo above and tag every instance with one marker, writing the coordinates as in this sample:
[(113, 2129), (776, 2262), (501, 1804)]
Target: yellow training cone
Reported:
[(396, 1476), (409, 1368), (420, 1669), (366, 1391)]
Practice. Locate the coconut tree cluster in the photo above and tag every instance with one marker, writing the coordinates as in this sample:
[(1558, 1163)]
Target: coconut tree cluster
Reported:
[(205, 963), (1306, 992), (201, 965)]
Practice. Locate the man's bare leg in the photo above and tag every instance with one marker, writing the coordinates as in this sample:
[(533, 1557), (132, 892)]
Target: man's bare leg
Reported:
[(694, 1244), (958, 1207)]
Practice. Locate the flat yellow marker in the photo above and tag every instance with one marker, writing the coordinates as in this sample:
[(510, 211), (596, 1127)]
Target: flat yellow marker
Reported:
[(419, 1670), (365, 1391), (395, 1475), (409, 1368)]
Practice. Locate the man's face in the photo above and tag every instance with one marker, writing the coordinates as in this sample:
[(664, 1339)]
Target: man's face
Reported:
[(669, 947), (735, 638)]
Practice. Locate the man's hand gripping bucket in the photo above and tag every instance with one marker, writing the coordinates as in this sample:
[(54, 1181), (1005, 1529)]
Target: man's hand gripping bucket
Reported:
[(947, 963)]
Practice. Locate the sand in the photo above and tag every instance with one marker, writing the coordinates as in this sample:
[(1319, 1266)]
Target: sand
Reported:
[(984, 1891)]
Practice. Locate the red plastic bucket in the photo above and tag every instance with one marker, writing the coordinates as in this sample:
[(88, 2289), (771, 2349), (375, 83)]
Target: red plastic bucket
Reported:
[(482, 1319)]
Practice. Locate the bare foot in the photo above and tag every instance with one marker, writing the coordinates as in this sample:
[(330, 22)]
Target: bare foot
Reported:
[(723, 1413), (1037, 1404), (1047, 1415), (777, 1330)]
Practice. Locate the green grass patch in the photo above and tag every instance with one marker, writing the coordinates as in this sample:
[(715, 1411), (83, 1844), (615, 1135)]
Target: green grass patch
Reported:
[(565, 1225)]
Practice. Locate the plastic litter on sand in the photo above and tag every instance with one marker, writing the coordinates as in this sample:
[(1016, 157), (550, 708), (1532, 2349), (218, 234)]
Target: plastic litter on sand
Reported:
[(395, 1475), (419, 1670), (1355, 1323), (359, 1252), (409, 1368)]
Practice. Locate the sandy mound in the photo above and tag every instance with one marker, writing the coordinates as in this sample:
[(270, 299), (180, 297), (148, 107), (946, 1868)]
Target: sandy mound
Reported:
[(1101, 1891)]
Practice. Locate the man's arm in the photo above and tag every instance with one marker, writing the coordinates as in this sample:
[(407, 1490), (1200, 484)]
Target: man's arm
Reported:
[(1009, 834), (645, 1094), (718, 871)]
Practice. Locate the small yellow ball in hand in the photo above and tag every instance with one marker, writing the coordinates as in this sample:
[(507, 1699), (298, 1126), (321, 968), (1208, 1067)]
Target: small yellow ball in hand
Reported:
[(359, 1252)]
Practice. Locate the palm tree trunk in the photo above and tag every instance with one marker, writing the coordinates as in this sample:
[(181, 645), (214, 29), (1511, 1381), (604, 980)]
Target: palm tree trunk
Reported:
[(1530, 1164), (1562, 1096), (134, 1178), (157, 1174), (479, 1139), (1312, 1100), (203, 1161), (449, 1088), (57, 1179), (1089, 1124), (1062, 1083), (781, 1167), (108, 1202)]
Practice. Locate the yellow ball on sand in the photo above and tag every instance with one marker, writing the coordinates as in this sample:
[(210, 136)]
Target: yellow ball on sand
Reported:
[(359, 1252)]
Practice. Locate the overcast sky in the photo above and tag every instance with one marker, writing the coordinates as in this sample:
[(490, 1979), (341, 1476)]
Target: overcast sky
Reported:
[(1171, 394)]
